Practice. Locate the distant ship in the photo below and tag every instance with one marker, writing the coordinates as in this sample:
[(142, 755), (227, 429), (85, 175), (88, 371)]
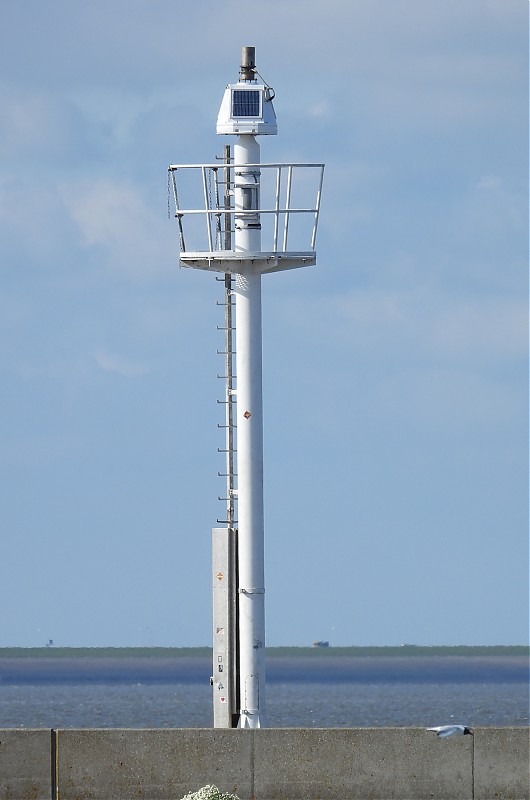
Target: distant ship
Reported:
[(320, 644)]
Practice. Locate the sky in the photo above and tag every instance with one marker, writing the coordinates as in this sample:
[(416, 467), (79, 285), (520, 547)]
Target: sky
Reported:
[(395, 371)]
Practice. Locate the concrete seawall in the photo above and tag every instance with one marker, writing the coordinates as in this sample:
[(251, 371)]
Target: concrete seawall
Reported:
[(267, 764)]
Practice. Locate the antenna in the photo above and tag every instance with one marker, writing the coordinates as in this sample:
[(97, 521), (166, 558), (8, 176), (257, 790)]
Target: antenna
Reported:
[(248, 64), (261, 201)]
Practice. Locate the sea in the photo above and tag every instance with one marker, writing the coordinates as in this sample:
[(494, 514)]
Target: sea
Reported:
[(300, 693)]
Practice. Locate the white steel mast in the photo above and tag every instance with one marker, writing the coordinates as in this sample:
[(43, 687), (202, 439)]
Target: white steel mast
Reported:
[(246, 111), (249, 437)]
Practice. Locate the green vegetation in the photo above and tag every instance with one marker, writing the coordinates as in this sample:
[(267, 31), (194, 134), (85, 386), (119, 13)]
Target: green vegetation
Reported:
[(103, 652), (402, 650), (272, 652)]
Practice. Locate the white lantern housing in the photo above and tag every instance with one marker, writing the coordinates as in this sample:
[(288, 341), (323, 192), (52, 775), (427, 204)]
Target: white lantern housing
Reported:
[(247, 108)]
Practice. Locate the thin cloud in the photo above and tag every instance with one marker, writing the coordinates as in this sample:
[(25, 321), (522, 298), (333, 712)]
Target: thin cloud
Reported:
[(119, 365), (115, 219)]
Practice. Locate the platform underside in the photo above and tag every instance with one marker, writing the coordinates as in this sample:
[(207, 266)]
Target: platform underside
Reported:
[(230, 261)]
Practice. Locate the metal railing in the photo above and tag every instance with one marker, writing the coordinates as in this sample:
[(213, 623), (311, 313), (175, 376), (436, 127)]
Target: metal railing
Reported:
[(213, 176)]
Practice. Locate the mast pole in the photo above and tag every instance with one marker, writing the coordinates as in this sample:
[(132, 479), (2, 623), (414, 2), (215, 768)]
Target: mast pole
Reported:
[(249, 438)]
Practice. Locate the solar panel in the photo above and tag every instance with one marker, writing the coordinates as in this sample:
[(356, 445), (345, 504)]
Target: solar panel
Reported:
[(245, 103)]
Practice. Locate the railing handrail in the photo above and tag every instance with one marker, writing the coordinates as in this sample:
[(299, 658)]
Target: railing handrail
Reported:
[(213, 210), (232, 211), (234, 165)]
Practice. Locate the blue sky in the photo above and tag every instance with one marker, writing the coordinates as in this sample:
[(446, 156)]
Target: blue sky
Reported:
[(395, 371)]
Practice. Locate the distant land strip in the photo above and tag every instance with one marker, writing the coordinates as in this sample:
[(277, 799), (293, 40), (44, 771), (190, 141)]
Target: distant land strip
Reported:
[(406, 650)]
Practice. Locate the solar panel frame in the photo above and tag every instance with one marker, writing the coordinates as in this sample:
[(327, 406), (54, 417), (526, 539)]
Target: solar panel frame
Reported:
[(246, 103)]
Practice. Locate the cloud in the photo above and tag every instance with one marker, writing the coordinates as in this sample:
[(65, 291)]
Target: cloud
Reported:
[(39, 449), (486, 330), (482, 331), (114, 219), (33, 226), (499, 203), (321, 108), (455, 402), (44, 130), (120, 365)]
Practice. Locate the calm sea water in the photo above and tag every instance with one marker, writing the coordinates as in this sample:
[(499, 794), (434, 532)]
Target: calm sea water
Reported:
[(320, 705), (354, 695)]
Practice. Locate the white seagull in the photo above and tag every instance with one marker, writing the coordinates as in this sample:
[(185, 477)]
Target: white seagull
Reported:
[(451, 730)]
